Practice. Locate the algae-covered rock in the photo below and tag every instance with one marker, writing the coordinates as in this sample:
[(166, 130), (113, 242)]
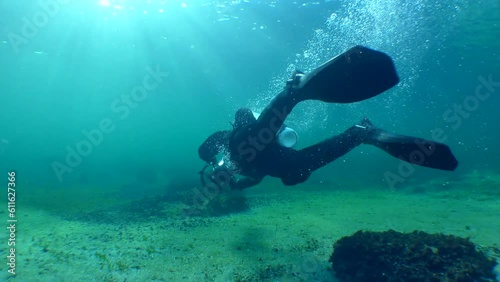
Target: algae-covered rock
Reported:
[(226, 203), (416, 256)]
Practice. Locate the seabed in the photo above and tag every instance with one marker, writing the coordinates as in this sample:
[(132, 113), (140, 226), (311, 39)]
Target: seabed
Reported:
[(286, 234)]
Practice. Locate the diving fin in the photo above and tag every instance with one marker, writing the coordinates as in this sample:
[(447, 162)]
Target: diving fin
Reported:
[(355, 75), (415, 150)]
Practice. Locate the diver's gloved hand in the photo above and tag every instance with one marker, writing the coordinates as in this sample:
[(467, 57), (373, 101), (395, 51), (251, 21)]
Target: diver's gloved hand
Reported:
[(363, 132)]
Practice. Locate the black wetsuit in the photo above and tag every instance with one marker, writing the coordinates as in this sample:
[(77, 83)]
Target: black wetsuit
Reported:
[(254, 149)]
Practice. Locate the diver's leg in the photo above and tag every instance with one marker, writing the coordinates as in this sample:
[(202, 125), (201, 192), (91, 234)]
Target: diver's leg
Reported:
[(357, 74), (418, 151), (327, 151), (300, 164), (273, 116)]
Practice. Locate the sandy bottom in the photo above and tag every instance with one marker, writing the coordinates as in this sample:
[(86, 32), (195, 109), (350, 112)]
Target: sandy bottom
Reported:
[(286, 235)]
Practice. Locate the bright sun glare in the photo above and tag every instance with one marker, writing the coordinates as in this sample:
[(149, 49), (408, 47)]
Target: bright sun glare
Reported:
[(149, 3), (104, 3)]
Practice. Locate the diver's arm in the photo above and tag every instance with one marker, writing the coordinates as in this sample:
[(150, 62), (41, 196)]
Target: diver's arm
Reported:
[(245, 182), (211, 147)]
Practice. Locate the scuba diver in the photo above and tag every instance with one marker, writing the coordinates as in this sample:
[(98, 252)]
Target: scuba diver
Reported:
[(256, 146)]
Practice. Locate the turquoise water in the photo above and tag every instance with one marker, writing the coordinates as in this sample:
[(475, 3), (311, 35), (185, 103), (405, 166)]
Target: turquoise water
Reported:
[(65, 72), (68, 70)]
